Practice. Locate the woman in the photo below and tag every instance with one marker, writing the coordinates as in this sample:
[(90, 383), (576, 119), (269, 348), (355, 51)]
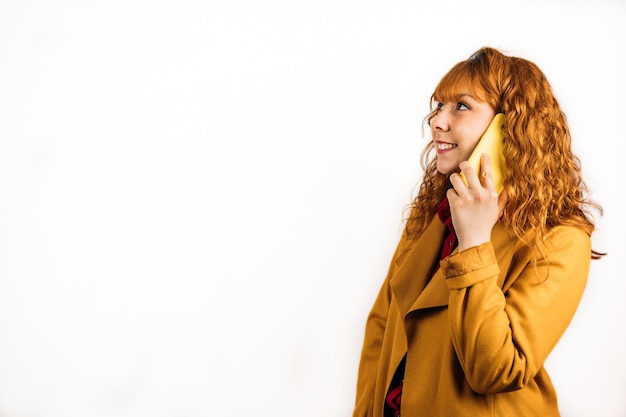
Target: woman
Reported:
[(482, 286)]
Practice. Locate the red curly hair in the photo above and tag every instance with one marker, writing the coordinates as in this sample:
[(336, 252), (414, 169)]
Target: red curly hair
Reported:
[(547, 188)]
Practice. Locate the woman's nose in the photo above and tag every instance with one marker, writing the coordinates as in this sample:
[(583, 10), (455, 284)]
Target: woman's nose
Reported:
[(439, 121)]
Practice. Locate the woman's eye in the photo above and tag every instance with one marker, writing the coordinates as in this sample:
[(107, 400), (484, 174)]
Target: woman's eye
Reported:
[(438, 106), (462, 106)]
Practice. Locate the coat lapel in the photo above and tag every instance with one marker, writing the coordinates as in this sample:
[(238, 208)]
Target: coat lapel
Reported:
[(435, 294), (415, 266), (412, 285)]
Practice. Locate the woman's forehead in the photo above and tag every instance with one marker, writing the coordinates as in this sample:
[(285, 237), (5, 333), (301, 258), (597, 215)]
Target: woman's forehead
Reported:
[(458, 92)]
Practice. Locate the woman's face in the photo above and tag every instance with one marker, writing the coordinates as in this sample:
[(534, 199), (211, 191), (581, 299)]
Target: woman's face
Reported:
[(456, 129)]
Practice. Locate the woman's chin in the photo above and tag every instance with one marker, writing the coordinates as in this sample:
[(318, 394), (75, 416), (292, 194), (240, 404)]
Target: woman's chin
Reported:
[(446, 170)]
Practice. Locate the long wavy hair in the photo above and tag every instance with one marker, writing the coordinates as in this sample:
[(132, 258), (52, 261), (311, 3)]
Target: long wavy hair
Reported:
[(544, 183)]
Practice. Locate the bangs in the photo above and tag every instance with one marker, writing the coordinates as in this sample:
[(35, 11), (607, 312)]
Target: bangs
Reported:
[(461, 79)]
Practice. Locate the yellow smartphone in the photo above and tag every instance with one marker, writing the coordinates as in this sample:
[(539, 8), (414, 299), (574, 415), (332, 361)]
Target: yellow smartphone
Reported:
[(491, 144)]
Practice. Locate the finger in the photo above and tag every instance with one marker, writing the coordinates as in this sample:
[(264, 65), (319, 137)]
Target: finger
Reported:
[(458, 186), (470, 175), (486, 176), (452, 195)]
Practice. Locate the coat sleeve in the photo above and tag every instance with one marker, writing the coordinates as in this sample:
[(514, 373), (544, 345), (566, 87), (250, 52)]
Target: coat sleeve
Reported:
[(372, 344), (502, 338)]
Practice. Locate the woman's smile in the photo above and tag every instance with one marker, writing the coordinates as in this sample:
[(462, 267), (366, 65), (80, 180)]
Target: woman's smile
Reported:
[(443, 147)]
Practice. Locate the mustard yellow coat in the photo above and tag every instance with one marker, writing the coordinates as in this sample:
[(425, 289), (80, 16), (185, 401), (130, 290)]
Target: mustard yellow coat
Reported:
[(478, 333)]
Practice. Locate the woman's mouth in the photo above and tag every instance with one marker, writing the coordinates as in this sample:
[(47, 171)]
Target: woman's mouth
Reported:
[(444, 146)]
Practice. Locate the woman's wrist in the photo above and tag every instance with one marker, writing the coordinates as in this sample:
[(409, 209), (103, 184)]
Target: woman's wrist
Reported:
[(465, 244)]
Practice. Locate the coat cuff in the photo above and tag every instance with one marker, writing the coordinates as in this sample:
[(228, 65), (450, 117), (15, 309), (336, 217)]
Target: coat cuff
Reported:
[(476, 264)]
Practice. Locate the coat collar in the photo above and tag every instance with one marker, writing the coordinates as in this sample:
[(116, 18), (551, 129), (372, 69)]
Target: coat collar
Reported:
[(412, 285), (414, 268)]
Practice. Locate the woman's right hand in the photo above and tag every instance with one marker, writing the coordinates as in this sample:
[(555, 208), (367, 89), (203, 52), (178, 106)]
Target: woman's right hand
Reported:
[(474, 208)]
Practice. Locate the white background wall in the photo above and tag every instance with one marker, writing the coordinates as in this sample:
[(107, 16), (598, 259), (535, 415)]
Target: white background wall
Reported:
[(199, 200)]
